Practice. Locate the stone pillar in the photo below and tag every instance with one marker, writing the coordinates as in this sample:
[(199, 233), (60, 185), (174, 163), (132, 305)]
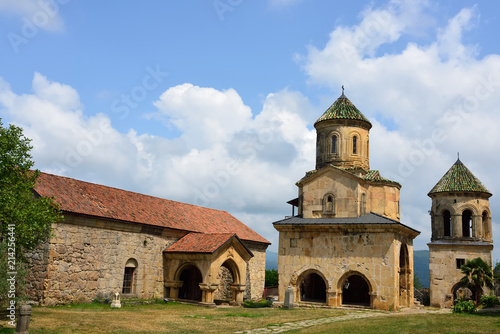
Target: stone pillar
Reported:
[(174, 288), (477, 228), (238, 290), (456, 226), (24, 319), (207, 290), (288, 298)]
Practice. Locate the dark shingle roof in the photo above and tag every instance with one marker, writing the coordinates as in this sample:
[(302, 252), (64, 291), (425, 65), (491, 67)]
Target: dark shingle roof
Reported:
[(75, 196), (369, 219), (459, 179), (343, 108)]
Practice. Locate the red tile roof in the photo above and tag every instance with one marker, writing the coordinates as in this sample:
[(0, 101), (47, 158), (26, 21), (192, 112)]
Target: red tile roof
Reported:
[(86, 198), (200, 243)]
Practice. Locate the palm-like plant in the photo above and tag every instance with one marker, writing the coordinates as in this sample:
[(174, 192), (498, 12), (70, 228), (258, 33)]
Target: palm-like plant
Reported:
[(477, 275)]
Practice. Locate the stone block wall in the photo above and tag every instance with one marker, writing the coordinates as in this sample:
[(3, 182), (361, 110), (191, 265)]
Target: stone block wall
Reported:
[(85, 259), (443, 272), (335, 254), (256, 271)]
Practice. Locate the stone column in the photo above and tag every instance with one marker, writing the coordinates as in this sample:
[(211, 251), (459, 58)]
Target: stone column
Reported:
[(456, 226), (238, 290), (174, 288), (477, 228), (207, 290)]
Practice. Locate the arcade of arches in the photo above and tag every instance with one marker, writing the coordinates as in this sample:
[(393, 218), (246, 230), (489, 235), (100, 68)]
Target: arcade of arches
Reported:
[(364, 285)]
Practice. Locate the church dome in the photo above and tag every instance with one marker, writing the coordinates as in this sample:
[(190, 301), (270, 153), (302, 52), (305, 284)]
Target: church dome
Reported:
[(459, 179), (343, 108)]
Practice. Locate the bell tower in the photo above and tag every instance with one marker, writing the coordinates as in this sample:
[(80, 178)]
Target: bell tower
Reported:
[(461, 230), (342, 136)]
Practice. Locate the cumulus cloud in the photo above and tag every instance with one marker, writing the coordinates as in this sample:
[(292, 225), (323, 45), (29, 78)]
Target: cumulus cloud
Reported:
[(224, 158), (39, 13)]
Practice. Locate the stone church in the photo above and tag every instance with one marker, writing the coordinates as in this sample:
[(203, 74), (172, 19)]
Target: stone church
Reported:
[(347, 245), (113, 240), (461, 230)]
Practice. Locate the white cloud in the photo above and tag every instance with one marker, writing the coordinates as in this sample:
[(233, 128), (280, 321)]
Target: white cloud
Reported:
[(36, 13), (224, 158)]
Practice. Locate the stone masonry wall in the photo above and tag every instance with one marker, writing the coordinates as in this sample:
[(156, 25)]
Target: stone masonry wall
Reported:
[(443, 271), (256, 271), (85, 259), (373, 254)]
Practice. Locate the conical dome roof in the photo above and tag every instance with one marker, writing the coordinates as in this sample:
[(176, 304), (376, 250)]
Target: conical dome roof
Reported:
[(342, 108), (459, 179)]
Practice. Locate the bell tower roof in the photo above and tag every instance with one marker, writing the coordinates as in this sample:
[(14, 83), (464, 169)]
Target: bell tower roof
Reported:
[(459, 179), (343, 108)]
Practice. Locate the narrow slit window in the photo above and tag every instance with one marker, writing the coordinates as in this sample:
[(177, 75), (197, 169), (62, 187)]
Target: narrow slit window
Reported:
[(447, 223), (354, 145), (334, 144)]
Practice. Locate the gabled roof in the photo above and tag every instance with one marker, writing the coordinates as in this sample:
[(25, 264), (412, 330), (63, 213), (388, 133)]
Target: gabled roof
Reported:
[(343, 108), (459, 179), (368, 219), (96, 200), (202, 243)]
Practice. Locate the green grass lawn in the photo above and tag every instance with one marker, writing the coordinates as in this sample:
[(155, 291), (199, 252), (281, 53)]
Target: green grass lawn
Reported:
[(180, 318)]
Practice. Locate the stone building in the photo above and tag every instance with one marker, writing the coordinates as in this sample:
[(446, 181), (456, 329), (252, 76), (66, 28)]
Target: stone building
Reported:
[(112, 240), (346, 245), (461, 230)]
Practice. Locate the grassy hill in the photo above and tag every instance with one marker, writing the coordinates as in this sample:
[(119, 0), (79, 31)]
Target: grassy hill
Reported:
[(420, 261)]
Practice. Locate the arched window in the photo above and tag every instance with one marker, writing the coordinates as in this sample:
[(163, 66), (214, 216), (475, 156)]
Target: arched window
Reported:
[(447, 223), (128, 276), (466, 223), (363, 205), (334, 144), (354, 145), (329, 204)]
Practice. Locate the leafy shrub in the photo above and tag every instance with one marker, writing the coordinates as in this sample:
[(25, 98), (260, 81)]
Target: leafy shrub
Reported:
[(464, 306), (489, 301), (262, 303)]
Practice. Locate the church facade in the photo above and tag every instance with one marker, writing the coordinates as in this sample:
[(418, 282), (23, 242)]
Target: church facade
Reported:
[(461, 230), (112, 240), (347, 245)]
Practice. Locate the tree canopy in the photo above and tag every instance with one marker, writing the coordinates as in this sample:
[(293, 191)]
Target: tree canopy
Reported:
[(25, 218), (477, 275)]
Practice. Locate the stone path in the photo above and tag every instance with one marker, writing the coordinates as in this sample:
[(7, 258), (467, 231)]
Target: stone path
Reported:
[(288, 326)]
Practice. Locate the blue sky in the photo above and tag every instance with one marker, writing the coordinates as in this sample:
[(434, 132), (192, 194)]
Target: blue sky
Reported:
[(213, 102)]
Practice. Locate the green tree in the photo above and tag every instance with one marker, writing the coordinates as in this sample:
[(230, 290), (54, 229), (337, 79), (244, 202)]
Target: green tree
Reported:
[(477, 275), (416, 282), (25, 218), (271, 277)]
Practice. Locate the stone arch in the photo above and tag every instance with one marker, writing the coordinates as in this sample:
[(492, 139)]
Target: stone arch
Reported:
[(129, 276), (225, 279), (312, 286), (356, 289), (405, 282), (461, 290), (191, 277)]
